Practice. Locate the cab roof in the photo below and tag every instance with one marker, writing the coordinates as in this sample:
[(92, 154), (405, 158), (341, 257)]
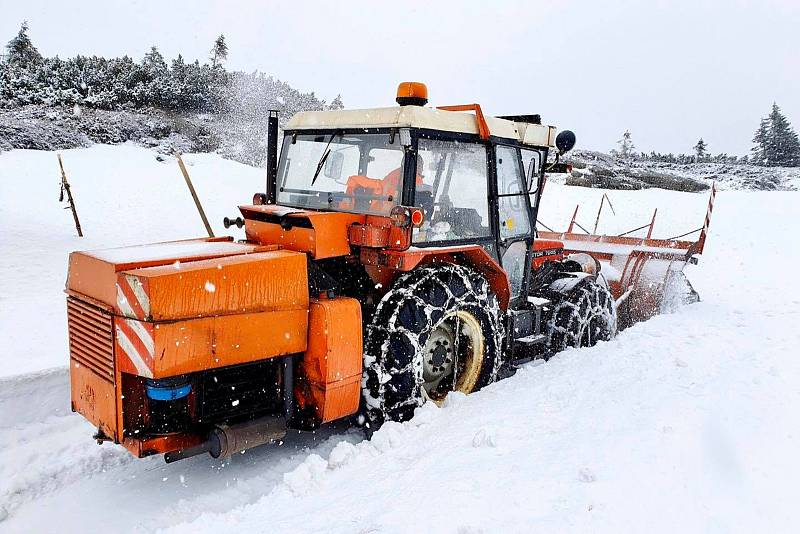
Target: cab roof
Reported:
[(423, 117)]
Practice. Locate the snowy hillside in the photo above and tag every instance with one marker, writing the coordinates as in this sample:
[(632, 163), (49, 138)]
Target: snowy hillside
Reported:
[(687, 422), (598, 169)]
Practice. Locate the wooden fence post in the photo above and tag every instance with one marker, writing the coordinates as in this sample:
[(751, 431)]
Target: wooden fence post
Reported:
[(65, 188), (194, 196)]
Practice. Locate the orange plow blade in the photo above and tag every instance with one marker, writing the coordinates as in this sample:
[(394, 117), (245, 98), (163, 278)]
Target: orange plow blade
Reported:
[(645, 275)]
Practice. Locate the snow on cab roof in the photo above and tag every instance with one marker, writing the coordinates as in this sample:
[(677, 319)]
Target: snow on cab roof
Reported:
[(423, 117)]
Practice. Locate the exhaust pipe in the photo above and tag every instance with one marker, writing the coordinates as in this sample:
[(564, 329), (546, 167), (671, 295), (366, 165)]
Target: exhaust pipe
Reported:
[(272, 156), (228, 440), (224, 440)]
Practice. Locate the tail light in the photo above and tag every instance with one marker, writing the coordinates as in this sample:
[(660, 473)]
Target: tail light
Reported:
[(405, 217)]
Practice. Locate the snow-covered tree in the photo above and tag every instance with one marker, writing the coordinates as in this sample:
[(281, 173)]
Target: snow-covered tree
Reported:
[(219, 52), (120, 83), (626, 146), (701, 150), (20, 49), (776, 142), (761, 140), (336, 103)]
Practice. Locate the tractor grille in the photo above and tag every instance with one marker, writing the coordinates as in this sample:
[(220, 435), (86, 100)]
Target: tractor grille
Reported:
[(91, 338)]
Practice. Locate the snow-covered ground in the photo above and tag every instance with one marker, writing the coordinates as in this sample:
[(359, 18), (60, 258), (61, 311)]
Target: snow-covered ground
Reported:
[(688, 422)]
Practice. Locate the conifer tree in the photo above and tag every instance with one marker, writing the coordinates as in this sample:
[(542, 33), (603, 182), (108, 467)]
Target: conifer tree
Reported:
[(776, 142), (626, 146), (219, 52), (701, 150), (21, 50)]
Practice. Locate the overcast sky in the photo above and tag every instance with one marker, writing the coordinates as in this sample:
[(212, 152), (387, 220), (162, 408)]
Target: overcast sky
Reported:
[(670, 72)]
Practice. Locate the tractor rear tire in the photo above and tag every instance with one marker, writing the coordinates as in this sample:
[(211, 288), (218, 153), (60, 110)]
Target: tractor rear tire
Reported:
[(581, 316), (437, 330)]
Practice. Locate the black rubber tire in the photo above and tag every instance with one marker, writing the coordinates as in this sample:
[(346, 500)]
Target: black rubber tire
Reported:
[(586, 308), (393, 368)]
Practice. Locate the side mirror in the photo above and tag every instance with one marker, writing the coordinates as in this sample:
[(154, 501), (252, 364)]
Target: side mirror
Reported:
[(333, 165), (565, 141)]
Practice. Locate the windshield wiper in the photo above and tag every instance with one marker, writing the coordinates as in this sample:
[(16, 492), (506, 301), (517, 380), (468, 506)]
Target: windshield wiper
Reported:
[(322, 160)]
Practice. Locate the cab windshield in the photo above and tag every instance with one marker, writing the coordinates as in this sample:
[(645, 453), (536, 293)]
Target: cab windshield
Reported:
[(359, 173)]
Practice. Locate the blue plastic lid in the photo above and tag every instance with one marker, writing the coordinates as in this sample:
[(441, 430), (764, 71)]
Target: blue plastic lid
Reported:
[(161, 393)]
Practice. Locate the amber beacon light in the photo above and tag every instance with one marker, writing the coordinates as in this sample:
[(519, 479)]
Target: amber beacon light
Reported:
[(412, 94)]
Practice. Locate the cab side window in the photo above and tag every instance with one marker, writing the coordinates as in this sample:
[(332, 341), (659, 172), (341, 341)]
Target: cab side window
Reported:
[(511, 193), (532, 164), (452, 190)]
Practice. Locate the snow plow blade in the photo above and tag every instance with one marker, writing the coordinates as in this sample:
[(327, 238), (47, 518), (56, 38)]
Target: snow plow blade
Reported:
[(645, 275)]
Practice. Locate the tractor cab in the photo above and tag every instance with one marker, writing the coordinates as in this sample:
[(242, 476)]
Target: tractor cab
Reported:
[(471, 179)]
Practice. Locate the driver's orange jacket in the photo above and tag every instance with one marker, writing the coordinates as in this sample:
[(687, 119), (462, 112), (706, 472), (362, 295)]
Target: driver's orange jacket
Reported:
[(391, 184)]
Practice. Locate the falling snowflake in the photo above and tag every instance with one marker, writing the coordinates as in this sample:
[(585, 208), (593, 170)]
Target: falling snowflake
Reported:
[(210, 287)]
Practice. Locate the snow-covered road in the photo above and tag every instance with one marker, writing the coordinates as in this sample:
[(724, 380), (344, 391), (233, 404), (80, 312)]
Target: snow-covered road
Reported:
[(688, 422)]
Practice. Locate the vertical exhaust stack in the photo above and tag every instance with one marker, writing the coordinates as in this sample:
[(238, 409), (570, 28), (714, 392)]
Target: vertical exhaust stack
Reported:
[(272, 156)]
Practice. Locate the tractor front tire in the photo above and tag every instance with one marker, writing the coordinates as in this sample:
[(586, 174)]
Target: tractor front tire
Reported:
[(437, 330), (580, 316)]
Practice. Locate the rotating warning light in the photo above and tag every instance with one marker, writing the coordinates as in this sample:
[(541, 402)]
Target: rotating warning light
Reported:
[(412, 94)]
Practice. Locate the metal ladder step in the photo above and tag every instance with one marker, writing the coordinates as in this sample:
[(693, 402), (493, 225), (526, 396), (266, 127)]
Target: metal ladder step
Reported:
[(533, 339)]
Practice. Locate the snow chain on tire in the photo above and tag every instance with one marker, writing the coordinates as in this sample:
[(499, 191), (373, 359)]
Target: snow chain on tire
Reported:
[(404, 319), (587, 307)]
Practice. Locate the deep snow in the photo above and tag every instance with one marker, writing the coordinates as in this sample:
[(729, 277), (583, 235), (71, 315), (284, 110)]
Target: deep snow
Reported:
[(687, 422)]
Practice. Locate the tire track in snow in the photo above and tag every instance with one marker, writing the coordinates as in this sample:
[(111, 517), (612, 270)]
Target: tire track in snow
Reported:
[(43, 445), (48, 460)]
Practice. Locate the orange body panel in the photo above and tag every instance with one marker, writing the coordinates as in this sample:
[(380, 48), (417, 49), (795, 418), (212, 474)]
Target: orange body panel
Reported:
[(161, 444), (159, 350), (337, 400), (264, 281), (94, 273), (92, 370), (327, 237), (332, 362), (93, 397), (547, 250)]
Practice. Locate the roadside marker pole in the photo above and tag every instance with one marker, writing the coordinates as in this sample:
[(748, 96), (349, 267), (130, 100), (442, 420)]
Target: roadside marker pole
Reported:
[(194, 196), (70, 200)]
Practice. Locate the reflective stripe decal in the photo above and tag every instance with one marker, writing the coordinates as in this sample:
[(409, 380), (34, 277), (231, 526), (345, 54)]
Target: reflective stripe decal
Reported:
[(132, 299), (141, 295), (132, 352), (136, 342)]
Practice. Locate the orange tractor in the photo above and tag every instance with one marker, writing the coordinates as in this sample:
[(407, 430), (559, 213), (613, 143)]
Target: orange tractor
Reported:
[(393, 258)]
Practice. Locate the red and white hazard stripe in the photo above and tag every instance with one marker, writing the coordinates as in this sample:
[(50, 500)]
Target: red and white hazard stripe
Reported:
[(136, 344), (134, 337), (132, 299), (702, 241)]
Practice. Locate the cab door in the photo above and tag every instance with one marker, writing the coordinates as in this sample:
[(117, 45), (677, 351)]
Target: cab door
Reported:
[(515, 228)]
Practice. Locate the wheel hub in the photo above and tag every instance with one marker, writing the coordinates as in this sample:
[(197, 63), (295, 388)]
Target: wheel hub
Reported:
[(439, 353), (452, 356)]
